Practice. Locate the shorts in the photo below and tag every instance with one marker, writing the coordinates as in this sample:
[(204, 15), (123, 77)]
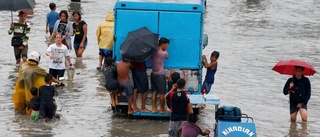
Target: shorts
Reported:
[(128, 87), (50, 30), (46, 110), (77, 45), (20, 53), (293, 108), (112, 86), (173, 129), (35, 115), (158, 83), (105, 52), (56, 73), (140, 81), (207, 85)]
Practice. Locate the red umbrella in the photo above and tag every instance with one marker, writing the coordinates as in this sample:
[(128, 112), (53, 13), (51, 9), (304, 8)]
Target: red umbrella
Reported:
[(287, 67)]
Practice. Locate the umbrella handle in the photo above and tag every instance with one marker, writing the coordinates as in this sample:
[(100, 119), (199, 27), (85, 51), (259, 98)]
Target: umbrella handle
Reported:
[(291, 81), (11, 17)]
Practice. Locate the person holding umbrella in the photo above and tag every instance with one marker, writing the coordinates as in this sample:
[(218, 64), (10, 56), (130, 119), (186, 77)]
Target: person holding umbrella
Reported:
[(299, 89), (20, 39)]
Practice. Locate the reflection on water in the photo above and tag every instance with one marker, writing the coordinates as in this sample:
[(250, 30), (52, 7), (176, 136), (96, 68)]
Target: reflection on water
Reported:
[(253, 3), (123, 127), (250, 17), (74, 6), (28, 128), (298, 129), (30, 13), (79, 64)]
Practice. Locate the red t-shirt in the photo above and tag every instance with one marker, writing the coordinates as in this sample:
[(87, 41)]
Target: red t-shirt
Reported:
[(139, 66)]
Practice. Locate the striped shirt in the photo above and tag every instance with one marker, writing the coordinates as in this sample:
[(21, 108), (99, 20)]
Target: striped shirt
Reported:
[(21, 30)]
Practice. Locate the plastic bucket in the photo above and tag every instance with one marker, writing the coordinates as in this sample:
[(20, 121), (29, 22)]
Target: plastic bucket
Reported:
[(70, 73)]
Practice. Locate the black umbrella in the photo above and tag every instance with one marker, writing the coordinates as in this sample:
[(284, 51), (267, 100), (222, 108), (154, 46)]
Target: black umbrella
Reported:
[(139, 45), (15, 5)]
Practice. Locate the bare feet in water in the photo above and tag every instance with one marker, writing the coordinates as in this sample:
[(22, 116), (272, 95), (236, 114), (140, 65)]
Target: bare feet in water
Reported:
[(130, 112), (117, 103), (203, 106), (113, 103)]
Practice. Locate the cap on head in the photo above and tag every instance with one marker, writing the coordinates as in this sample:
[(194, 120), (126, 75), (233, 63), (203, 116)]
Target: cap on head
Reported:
[(34, 57), (21, 12)]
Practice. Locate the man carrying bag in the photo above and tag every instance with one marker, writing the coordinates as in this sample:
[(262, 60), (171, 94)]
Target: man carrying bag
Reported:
[(20, 39)]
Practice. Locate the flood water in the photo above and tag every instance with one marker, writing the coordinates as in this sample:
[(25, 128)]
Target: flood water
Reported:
[(251, 36)]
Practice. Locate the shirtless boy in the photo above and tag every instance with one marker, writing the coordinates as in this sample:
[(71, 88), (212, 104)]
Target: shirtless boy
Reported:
[(123, 68)]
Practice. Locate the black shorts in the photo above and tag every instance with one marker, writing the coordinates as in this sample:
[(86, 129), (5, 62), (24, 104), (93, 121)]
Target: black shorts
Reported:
[(293, 108), (50, 30), (158, 83), (56, 73), (46, 110), (140, 81)]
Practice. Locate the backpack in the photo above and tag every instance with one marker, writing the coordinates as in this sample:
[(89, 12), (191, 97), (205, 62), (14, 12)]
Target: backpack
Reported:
[(230, 113)]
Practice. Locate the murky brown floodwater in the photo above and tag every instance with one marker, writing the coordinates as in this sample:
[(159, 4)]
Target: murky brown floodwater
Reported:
[(251, 35)]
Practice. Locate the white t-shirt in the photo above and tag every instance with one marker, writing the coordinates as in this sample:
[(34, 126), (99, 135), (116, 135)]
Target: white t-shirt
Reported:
[(59, 54)]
